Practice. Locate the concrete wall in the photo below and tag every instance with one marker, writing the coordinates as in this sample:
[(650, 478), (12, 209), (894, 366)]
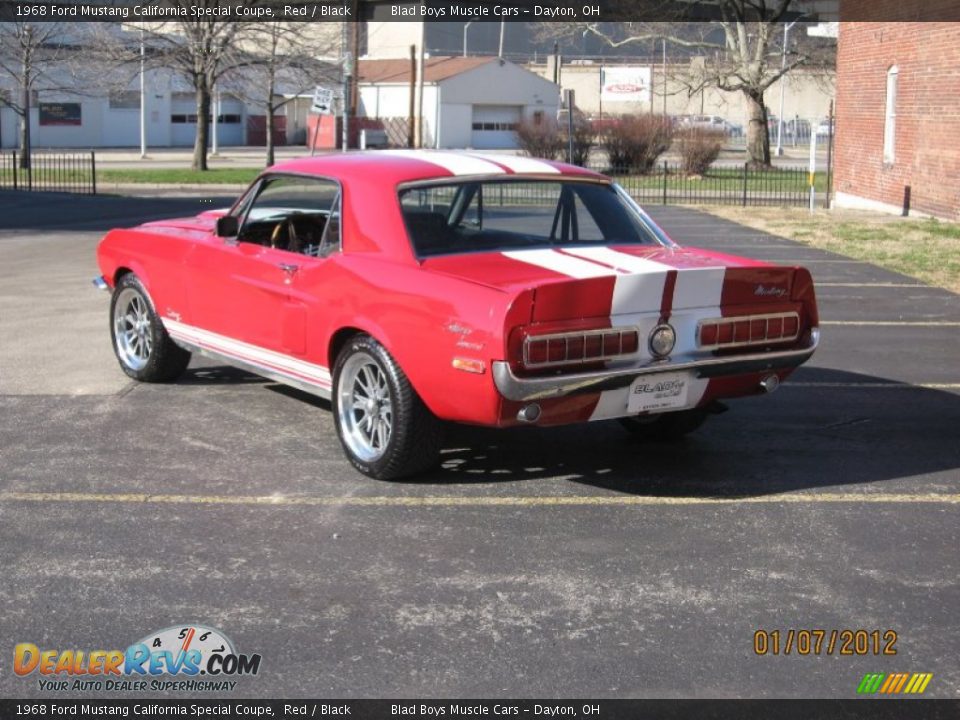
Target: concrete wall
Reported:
[(390, 101), (926, 154), (806, 94)]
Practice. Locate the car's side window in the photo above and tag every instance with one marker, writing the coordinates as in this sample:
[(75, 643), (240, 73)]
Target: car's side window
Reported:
[(296, 214)]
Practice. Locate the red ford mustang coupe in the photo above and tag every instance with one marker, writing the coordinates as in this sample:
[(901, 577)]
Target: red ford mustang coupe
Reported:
[(411, 287)]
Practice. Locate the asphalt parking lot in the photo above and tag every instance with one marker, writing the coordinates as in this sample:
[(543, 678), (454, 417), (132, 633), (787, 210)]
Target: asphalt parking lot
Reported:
[(534, 563)]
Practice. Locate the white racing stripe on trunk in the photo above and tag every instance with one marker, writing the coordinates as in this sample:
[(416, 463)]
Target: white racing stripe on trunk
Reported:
[(620, 260), (558, 262), (699, 287), (518, 164), (451, 162), (641, 290)]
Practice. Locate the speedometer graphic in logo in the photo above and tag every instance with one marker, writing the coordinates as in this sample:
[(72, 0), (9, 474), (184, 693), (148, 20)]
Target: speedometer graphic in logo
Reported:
[(186, 638), (189, 649)]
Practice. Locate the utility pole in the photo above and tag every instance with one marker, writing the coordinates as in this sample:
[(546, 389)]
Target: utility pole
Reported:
[(345, 71), (465, 36), (412, 114), (664, 76), (143, 96), (503, 27), (783, 68)]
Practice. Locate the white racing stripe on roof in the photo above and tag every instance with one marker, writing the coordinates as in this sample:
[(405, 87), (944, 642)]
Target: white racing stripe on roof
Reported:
[(519, 164), (455, 163), (558, 262)]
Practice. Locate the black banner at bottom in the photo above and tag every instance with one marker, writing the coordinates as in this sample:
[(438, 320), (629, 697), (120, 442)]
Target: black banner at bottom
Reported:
[(915, 709)]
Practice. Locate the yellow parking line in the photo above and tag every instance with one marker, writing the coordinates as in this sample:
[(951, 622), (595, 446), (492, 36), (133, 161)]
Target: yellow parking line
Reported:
[(877, 285), (872, 385), (448, 500), (899, 323)]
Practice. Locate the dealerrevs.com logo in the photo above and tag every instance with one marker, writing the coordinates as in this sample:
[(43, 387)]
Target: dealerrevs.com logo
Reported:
[(199, 657)]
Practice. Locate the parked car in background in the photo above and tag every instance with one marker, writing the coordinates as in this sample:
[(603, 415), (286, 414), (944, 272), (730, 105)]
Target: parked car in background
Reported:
[(825, 128), (711, 122), (414, 287)]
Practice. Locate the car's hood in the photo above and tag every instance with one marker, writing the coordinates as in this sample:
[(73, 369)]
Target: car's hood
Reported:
[(205, 222)]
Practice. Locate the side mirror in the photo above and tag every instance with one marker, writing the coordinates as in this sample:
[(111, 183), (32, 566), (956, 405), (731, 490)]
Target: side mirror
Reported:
[(227, 226)]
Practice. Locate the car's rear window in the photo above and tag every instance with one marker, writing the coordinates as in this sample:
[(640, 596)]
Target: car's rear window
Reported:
[(486, 216)]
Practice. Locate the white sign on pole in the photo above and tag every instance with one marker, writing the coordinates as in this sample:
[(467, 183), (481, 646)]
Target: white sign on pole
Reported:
[(627, 83), (322, 101)]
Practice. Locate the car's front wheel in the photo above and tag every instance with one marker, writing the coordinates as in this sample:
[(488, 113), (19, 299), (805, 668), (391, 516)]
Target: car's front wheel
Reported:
[(385, 429), (140, 342)]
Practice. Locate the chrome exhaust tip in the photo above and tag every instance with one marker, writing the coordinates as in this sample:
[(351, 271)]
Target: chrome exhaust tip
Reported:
[(529, 413), (770, 383)]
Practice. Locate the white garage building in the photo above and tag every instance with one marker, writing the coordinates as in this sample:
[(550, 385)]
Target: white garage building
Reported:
[(468, 102)]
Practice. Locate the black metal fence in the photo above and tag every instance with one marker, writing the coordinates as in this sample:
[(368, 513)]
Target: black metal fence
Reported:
[(50, 172), (667, 183)]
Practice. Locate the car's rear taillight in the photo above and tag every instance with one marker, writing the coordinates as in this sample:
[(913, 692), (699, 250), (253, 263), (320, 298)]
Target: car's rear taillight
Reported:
[(579, 347), (728, 332)]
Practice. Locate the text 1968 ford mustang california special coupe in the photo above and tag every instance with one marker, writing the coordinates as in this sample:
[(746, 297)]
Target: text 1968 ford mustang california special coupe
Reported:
[(411, 287)]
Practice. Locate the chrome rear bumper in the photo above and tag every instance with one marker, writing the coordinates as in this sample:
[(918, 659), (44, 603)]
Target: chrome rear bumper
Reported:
[(537, 388)]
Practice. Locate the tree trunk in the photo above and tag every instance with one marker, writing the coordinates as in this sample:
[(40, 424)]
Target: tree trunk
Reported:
[(203, 127), (25, 118), (24, 160), (758, 136), (270, 153)]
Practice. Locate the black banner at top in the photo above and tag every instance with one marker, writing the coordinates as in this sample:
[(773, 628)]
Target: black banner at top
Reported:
[(472, 10)]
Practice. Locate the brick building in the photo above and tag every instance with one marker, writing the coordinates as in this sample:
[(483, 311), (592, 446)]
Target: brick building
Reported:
[(898, 115)]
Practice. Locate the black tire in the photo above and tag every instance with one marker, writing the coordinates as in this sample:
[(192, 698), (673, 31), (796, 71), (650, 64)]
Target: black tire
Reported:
[(150, 356), (413, 443), (665, 426)]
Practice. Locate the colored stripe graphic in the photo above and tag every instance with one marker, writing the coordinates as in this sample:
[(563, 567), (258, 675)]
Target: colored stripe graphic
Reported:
[(870, 683), (894, 683)]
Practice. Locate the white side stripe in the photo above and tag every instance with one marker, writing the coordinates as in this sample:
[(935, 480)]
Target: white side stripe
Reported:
[(451, 162), (558, 262), (246, 351)]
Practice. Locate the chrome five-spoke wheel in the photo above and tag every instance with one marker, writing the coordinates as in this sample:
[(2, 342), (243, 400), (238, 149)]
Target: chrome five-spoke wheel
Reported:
[(141, 343), (132, 329), (365, 406), (386, 430)]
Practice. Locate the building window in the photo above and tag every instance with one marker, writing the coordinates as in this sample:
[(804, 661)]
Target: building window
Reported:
[(125, 100), (890, 116)]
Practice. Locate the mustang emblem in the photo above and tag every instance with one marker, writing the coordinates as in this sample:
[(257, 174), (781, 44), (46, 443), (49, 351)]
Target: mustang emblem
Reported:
[(762, 291)]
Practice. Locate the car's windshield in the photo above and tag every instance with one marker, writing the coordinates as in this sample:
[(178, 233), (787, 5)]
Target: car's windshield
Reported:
[(493, 216)]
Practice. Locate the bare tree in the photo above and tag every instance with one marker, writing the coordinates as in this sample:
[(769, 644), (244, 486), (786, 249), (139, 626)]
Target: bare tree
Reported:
[(202, 51), (282, 65), (37, 57), (743, 48)]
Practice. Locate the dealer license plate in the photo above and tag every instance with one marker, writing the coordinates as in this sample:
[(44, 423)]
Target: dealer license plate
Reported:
[(666, 391)]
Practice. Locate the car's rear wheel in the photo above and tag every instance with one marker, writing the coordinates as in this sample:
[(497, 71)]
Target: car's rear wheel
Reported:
[(665, 426), (385, 429), (140, 342)]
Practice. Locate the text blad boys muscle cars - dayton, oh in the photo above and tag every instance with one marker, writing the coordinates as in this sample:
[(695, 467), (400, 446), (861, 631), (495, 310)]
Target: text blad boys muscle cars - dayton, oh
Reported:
[(416, 287)]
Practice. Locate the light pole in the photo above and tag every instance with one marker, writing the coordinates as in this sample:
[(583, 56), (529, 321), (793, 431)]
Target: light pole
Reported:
[(465, 36), (783, 67)]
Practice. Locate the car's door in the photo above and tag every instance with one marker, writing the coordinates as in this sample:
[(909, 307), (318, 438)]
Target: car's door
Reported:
[(243, 290)]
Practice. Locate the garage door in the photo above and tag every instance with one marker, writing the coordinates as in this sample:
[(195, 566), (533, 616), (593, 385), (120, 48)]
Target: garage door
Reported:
[(494, 126)]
